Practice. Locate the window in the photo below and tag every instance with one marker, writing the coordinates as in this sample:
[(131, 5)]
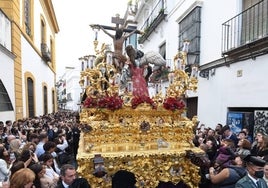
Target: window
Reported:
[(43, 32), (53, 101), (52, 52), (30, 87), (5, 31), (27, 16), (254, 20), (69, 97), (189, 29), (162, 50), (45, 99), (5, 103)]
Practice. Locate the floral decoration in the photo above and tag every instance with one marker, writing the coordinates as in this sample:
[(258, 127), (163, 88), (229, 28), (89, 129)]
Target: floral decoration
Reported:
[(173, 104), (110, 102), (137, 100), (91, 102)]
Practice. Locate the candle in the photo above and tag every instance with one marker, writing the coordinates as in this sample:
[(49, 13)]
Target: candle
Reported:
[(82, 66)]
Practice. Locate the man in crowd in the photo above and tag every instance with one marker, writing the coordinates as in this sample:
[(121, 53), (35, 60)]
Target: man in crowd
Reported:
[(68, 178), (254, 177)]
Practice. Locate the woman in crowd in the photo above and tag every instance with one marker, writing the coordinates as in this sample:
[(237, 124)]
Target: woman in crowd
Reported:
[(48, 162), (29, 146), (28, 157), (4, 170), (261, 146), (41, 179), (243, 147), (225, 154), (23, 178), (228, 176), (15, 167)]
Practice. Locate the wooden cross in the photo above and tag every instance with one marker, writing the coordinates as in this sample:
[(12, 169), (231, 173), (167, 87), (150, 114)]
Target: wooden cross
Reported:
[(117, 20)]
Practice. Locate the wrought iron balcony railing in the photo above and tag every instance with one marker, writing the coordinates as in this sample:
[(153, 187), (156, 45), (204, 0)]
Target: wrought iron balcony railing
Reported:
[(247, 29), (45, 52), (155, 17)]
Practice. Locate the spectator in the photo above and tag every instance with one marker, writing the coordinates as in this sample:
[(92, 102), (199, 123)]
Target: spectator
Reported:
[(243, 148), (50, 148), (123, 179), (9, 138), (254, 177), (225, 154), (48, 162), (248, 135), (15, 167), (23, 178), (29, 146), (228, 134), (265, 176), (242, 135), (4, 170), (68, 178), (212, 150), (261, 146), (33, 137), (28, 157), (76, 137), (228, 176), (62, 145), (43, 138), (14, 149), (41, 180)]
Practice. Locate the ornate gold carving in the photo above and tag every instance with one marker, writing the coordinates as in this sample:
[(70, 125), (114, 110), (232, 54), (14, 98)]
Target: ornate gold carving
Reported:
[(149, 142)]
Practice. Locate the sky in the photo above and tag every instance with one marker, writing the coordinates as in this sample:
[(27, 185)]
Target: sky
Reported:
[(75, 38)]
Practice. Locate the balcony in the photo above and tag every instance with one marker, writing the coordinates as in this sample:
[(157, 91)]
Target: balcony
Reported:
[(45, 52), (155, 18), (246, 35)]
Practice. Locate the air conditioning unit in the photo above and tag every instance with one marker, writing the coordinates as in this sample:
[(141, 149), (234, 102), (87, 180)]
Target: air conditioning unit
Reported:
[(45, 52)]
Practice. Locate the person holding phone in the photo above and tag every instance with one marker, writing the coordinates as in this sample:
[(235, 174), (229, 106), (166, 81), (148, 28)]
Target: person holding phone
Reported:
[(4, 170)]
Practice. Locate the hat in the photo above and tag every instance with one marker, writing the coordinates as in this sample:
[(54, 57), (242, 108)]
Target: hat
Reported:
[(255, 160)]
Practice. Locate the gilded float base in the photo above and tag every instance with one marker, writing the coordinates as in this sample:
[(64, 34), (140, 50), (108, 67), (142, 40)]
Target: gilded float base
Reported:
[(150, 166)]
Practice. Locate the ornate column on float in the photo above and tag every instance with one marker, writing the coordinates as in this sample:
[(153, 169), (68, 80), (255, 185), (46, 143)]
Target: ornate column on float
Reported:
[(147, 136)]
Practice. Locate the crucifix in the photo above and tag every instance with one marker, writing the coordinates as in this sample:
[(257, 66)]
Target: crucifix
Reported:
[(121, 34)]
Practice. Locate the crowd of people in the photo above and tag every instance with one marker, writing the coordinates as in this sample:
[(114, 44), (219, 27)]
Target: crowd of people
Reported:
[(41, 152), (231, 160)]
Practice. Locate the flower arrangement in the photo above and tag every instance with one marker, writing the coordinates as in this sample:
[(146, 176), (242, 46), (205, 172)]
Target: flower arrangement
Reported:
[(137, 100), (110, 102), (173, 104), (91, 102)]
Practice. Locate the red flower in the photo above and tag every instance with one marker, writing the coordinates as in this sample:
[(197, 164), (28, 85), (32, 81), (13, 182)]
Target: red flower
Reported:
[(172, 103), (114, 102), (109, 102), (136, 100), (90, 102)]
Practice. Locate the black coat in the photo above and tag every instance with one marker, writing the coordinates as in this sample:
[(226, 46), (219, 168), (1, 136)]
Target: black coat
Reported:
[(78, 183)]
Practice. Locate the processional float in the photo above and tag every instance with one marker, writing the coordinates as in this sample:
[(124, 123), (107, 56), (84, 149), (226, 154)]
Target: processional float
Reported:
[(148, 136)]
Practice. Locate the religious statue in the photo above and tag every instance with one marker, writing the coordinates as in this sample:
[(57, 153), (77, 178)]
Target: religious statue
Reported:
[(137, 71), (121, 34)]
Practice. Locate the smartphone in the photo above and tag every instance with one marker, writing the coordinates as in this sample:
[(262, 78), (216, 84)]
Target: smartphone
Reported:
[(12, 156), (31, 153)]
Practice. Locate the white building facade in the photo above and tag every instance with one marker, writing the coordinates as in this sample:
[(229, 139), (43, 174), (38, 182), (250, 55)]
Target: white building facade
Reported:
[(7, 93), (68, 89), (228, 40), (33, 29)]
